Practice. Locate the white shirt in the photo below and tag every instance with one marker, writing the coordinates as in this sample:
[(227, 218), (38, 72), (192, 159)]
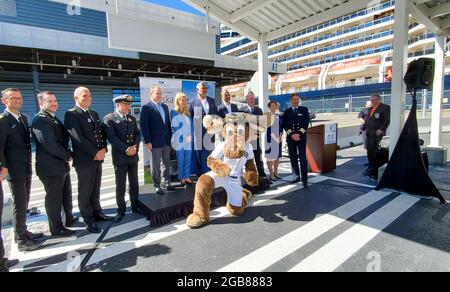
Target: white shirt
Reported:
[(14, 115), (205, 105), (120, 115), (228, 106), (237, 165)]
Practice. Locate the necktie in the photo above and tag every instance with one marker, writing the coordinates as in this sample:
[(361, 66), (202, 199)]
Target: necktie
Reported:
[(25, 127)]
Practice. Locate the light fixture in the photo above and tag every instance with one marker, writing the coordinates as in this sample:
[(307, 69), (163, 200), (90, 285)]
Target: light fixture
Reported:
[(74, 63), (69, 71), (65, 76), (101, 77), (109, 73), (159, 69), (119, 66)]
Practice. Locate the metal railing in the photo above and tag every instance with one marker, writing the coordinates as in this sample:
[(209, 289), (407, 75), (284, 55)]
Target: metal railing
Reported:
[(350, 103)]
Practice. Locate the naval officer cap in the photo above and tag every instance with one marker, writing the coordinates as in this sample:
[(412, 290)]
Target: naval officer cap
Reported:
[(123, 99)]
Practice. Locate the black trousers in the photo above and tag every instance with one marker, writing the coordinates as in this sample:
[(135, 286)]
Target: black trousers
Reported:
[(89, 184), (122, 171), (20, 190), (58, 197), (373, 144), (297, 152), (258, 160), (2, 247)]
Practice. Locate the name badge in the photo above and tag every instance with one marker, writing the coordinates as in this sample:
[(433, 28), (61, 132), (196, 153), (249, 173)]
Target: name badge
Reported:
[(377, 116)]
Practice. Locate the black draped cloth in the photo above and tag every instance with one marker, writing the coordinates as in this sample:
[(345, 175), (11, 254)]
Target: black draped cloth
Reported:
[(406, 171)]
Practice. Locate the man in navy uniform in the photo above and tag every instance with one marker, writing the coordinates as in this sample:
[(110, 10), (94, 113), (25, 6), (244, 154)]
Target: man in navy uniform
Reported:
[(296, 122), (15, 156), (226, 107), (52, 164), (124, 136), (89, 149), (5, 264)]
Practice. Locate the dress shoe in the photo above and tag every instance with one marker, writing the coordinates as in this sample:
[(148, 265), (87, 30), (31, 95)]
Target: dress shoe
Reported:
[(119, 217), (278, 177), (3, 266), (305, 185), (34, 236), (160, 191), (93, 228), (72, 222), (64, 233), (28, 245), (102, 217), (11, 263)]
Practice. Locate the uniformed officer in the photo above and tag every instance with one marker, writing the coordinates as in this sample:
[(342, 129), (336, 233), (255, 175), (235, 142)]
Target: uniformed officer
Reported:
[(89, 150), (15, 156), (52, 164), (124, 136), (5, 264), (296, 122)]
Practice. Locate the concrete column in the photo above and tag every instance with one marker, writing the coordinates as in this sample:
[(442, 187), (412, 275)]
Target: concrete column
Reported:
[(263, 71), (36, 85), (436, 152), (400, 59)]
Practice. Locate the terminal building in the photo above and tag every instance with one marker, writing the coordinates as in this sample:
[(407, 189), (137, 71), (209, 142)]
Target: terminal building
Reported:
[(56, 45)]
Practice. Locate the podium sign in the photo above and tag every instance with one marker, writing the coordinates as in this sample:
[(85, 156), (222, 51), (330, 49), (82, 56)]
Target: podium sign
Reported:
[(321, 150)]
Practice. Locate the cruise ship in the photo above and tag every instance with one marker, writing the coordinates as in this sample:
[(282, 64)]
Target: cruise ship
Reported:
[(352, 50)]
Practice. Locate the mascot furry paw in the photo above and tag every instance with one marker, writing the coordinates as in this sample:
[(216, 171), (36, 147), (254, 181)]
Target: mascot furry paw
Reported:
[(229, 162)]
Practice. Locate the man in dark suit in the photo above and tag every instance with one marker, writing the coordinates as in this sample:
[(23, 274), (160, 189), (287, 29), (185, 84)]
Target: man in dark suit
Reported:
[(15, 155), (89, 149), (201, 106), (125, 137), (5, 264), (157, 134), (52, 164), (376, 125), (296, 122), (253, 109), (226, 107)]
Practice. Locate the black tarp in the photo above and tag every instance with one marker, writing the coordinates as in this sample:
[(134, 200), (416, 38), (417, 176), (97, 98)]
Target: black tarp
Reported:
[(406, 171)]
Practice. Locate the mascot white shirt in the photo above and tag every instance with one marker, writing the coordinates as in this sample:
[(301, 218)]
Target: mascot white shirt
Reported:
[(233, 183)]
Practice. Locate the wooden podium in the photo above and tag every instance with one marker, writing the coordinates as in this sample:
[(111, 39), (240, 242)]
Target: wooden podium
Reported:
[(321, 150)]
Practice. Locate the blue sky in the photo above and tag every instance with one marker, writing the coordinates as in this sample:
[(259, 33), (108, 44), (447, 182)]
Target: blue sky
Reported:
[(177, 4)]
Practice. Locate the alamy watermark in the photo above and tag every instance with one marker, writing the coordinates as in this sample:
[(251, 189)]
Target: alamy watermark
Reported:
[(74, 8), (374, 265)]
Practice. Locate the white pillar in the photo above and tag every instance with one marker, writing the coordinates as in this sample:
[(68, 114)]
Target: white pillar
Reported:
[(400, 59), (263, 71), (438, 93)]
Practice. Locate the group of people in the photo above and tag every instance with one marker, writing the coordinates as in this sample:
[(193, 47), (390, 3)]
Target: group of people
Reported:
[(82, 140), (88, 135)]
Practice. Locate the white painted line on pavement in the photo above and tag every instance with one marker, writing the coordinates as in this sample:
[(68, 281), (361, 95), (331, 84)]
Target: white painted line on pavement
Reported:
[(268, 255), (341, 248)]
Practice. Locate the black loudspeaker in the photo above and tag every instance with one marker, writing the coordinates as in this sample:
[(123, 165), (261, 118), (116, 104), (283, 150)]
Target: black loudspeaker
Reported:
[(420, 74)]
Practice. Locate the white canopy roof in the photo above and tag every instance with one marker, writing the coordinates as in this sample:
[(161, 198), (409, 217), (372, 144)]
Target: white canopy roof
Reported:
[(277, 18), (435, 14)]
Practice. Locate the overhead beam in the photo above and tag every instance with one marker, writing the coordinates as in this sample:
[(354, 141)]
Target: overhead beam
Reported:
[(343, 9), (249, 9), (439, 10), (422, 13), (224, 17)]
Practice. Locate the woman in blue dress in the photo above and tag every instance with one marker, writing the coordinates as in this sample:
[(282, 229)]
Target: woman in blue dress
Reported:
[(182, 137)]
